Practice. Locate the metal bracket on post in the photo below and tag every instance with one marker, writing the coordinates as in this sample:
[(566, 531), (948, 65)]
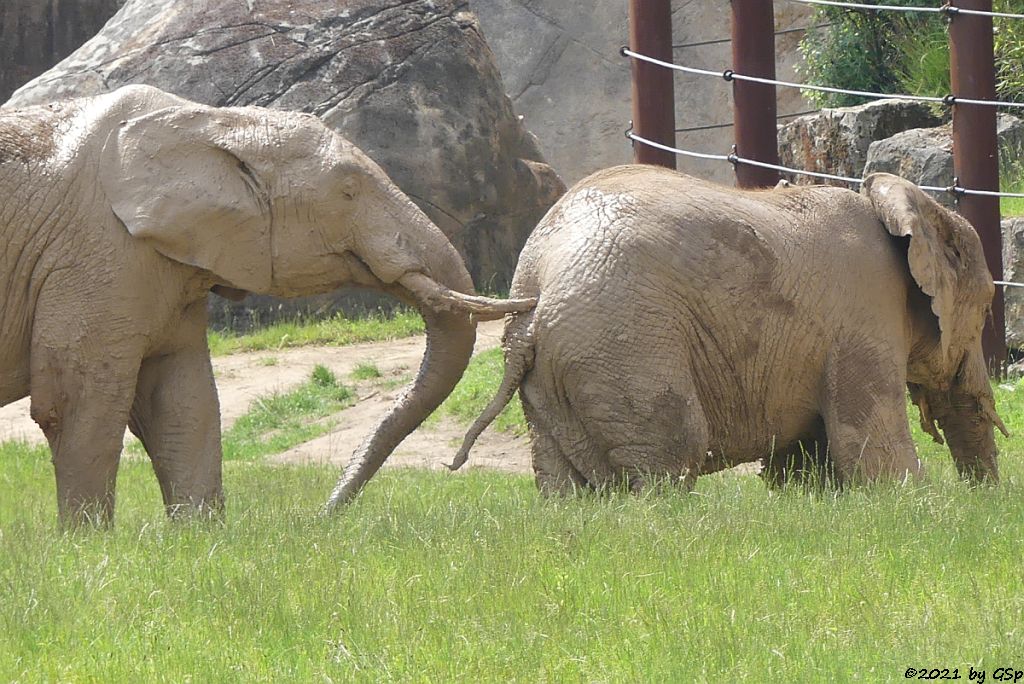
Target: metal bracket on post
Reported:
[(957, 191)]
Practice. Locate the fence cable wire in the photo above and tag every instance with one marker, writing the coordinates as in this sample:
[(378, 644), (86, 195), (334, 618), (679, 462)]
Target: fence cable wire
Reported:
[(722, 41), (730, 75), (709, 127), (862, 6), (736, 159), (665, 148), (947, 9)]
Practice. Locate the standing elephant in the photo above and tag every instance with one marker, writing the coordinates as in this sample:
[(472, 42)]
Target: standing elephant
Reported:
[(120, 212), (684, 327)]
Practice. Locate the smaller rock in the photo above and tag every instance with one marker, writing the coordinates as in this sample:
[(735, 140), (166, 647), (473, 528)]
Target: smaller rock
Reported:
[(1015, 371), (925, 155), (1013, 271), (836, 141)]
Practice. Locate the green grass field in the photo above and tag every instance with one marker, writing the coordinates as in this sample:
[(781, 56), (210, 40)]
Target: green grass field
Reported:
[(280, 421), (336, 331), (435, 577)]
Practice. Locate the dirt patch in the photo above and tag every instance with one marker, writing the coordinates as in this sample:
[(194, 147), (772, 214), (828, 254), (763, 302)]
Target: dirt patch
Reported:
[(242, 378), (432, 446)]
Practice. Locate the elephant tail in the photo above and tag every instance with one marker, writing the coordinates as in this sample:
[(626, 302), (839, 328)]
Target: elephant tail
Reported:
[(518, 343)]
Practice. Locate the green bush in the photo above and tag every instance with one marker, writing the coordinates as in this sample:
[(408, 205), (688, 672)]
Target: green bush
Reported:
[(890, 52), (924, 64), (1009, 38), (859, 50)]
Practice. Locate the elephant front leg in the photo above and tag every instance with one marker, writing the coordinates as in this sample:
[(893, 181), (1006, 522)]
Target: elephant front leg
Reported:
[(82, 410), (865, 413), (176, 416)]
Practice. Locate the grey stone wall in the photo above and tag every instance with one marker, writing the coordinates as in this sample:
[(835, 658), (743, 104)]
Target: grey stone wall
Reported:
[(561, 65)]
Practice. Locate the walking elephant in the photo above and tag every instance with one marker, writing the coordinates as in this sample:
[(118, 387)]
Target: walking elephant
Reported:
[(119, 213), (684, 327)]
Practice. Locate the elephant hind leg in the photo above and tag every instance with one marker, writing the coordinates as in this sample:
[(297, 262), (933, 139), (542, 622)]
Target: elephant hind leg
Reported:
[(655, 435), (610, 425), (553, 472), (633, 463)]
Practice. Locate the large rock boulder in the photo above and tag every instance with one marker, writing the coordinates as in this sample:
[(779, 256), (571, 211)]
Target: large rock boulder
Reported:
[(413, 84), (36, 34), (836, 141), (564, 73), (925, 156)]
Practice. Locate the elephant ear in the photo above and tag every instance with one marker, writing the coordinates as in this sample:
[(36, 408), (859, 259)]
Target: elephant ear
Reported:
[(938, 247), (174, 181)]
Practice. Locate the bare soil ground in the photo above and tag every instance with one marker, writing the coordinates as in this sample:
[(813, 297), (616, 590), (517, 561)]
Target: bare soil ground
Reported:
[(242, 378)]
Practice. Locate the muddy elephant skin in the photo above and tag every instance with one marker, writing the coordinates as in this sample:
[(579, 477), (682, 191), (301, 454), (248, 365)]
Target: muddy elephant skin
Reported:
[(684, 327), (121, 212)]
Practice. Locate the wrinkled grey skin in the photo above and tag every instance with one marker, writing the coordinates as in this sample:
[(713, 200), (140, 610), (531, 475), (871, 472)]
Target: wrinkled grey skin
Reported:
[(683, 327), (119, 213)]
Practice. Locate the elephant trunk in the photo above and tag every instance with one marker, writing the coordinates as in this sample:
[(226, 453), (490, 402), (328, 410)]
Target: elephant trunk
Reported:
[(966, 414), (450, 339), (442, 292), (414, 261), (969, 434)]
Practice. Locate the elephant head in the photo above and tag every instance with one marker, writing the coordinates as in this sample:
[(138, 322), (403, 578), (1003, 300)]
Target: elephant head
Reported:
[(276, 203), (953, 297)]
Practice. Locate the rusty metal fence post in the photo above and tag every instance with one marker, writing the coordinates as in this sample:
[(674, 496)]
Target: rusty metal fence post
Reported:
[(754, 104), (976, 152), (654, 102)]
